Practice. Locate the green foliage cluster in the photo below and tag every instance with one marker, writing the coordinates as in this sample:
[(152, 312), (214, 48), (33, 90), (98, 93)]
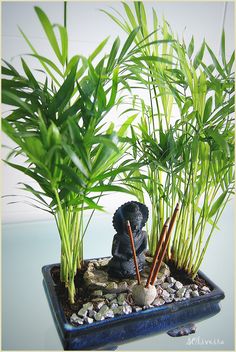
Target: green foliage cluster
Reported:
[(59, 125), (186, 134)]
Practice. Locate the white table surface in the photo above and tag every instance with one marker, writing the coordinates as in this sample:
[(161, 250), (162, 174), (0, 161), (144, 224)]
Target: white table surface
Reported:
[(27, 323)]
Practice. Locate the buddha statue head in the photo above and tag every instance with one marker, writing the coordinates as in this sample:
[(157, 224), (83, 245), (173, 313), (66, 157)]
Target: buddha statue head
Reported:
[(135, 212)]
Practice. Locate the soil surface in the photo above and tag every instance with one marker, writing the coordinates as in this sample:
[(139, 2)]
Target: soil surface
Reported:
[(184, 277), (83, 294), (81, 291)]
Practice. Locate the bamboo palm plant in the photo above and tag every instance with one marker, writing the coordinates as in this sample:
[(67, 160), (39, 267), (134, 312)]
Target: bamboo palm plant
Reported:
[(59, 126), (185, 134)]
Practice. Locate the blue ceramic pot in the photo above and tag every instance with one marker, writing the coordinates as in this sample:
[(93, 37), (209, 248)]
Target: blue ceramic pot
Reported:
[(176, 318)]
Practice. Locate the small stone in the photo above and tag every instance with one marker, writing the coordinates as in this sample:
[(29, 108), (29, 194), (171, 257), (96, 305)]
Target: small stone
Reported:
[(187, 294), (165, 285), (149, 259), (95, 278), (114, 305), (165, 269), (121, 299), (159, 290), (165, 294), (178, 285), (82, 312), (195, 293), (123, 286), (202, 292), (98, 299), (158, 302), (180, 293), (188, 287), (171, 280), (75, 319), (100, 304), (136, 309), (169, 299), (100, 284), (88, 320), (98, 317), (127, 309), (170, 290), (177, 299), (114, 301), (194, 287), (96, 293), (91, 313), (158, 282), (206, 289), (88, 306), (118, 310), (109, 314), (131, 284), (111, 286), (145, 307), (103, 311), (110, 296)]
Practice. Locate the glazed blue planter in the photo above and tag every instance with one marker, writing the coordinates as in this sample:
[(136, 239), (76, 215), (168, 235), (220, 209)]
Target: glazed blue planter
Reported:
[(175, 318)]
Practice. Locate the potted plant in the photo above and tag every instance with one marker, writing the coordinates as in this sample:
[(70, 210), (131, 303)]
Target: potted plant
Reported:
[(58, 125)]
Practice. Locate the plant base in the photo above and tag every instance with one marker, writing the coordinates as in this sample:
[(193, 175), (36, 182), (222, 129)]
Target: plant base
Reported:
[(109, 333)]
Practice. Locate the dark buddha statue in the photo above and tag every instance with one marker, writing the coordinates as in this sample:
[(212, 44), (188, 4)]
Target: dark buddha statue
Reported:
[(122, 264)]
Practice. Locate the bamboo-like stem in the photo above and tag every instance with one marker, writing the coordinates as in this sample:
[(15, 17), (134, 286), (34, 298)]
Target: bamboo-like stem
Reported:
[(159, 246), (154, 228), (65, 14), (192, 261), (64, 234), (134, 251), (164, 247), (218, 215)]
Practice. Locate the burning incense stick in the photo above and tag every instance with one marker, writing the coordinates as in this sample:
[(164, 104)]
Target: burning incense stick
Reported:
[(134, 251), (159, 246), (164, 247)]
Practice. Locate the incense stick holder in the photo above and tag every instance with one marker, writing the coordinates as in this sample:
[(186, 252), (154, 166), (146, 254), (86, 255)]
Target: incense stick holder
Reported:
[(144, 296)]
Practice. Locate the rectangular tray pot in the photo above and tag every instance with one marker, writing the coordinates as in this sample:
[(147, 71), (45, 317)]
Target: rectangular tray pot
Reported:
[(110, 333)]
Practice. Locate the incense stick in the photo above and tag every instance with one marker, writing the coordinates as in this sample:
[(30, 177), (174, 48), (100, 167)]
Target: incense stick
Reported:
[(159, 246), (164, 247), (134, 252)]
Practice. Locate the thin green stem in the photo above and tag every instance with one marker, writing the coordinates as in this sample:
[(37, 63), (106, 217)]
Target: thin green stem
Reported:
[(217, 217), (65, 14)]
